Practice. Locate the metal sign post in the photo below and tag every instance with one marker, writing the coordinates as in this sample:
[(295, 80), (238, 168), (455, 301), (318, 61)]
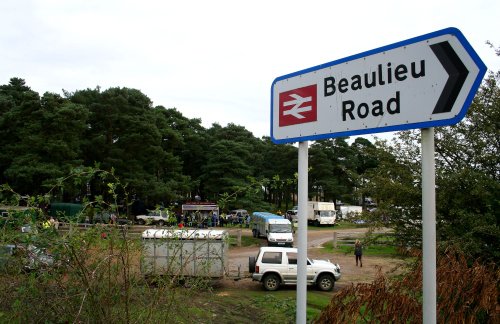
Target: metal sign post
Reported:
[(428, 226), (302, 233)]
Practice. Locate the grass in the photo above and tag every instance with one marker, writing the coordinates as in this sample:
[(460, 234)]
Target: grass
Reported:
[(347, 225), (316, 302), (245, 241), (155, 304), (278, 306), (375, 250), (338, 225)]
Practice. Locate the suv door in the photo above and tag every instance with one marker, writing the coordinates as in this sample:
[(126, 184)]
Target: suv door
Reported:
[(290, 272), (290, 276)]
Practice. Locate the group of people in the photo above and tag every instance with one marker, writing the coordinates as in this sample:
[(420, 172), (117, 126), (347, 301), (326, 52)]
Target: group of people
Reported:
[(197, 219), (214, 220)]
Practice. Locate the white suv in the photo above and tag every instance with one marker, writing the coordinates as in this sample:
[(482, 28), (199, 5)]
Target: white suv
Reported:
[(274, 266)]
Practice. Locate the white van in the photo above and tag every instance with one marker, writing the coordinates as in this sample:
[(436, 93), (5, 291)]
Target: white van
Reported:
[(276, 229)]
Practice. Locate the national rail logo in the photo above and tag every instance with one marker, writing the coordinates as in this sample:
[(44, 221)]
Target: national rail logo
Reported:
[(298, 106)]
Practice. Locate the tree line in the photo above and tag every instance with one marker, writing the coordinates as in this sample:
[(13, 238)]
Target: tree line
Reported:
[(161, 155), (164, 158)]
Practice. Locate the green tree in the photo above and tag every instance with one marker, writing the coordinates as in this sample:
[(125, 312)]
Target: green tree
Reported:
[(184, 139), (333, 175), (279, 169), (468, 175), (123, 135), (17, 101), (226, 168), (395, 185), (230, 159), (42, 137), (364, 159)]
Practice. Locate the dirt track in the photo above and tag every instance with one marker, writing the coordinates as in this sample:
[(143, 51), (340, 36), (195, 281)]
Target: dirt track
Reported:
[(238, 261)]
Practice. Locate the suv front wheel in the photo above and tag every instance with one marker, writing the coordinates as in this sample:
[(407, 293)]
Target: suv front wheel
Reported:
[(325, 282), (271, 282)]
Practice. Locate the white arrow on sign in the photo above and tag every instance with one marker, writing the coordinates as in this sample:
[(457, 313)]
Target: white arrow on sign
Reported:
[(296, 110), (426, 81)]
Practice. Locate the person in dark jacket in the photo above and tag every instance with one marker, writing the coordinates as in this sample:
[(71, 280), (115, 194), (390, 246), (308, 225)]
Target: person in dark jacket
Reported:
[(358, 252)]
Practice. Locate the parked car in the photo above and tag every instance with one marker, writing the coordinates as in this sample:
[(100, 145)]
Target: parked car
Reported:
[(160, 217), (275, 266)]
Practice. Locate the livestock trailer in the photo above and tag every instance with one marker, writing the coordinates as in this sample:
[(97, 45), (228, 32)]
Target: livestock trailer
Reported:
[(185, 253)]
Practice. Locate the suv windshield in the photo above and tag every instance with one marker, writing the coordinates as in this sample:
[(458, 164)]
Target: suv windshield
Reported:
[(280, 228)]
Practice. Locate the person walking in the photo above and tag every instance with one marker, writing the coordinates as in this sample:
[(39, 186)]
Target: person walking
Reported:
[(358, 252)]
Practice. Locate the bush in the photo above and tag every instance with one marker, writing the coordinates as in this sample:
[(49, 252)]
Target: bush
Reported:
[(466, 293)]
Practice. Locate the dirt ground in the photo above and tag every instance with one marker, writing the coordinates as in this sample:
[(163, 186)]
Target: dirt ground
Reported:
[(351, 274)]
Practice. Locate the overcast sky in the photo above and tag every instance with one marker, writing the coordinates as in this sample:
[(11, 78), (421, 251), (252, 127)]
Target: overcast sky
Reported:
[(214, 59)]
